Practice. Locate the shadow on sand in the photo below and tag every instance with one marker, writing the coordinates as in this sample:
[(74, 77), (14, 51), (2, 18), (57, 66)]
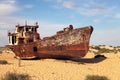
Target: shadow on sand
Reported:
[(90, 60), (96, 59)]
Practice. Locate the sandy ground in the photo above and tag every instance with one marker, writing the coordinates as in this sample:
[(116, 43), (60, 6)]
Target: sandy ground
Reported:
[(52, 69)]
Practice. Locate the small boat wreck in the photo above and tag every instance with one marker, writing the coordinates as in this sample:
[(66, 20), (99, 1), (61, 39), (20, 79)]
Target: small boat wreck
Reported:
[(68, 43)]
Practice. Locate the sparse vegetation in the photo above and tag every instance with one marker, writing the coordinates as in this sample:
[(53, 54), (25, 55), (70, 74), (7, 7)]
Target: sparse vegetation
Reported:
[(119, 50), (101, 49), (3, 62), (96, 77), (118, 46), (29, 68), (15, 76), (96, 47)]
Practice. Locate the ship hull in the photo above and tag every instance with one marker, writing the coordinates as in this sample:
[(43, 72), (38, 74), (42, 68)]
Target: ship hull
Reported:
[(67, 45)]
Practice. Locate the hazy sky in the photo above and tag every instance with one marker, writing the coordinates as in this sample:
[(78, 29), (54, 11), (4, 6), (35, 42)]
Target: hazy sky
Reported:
[(54, 15)]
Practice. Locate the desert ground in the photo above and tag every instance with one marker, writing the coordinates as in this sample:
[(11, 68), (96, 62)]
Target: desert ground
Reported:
[(52, 69)]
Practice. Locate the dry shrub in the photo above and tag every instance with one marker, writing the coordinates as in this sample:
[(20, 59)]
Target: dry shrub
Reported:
[(15, 76), (3, 62), (96, 77)]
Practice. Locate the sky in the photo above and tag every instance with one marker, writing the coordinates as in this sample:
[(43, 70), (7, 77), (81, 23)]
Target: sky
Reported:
[(54, 15)]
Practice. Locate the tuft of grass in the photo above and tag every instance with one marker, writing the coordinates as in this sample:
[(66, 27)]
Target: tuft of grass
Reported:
[(3, 62), (96, 77), (15, 76)]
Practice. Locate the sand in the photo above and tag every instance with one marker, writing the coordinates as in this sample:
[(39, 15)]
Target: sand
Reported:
[(52, 69)]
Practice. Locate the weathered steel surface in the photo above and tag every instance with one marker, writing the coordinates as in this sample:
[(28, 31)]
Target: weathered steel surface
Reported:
[(68, 43)]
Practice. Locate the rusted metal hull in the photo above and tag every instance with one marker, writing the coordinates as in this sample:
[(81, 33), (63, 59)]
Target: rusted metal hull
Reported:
[(69, 44)]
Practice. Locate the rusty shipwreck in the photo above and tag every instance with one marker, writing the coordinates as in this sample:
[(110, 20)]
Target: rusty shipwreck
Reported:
[(68, 43)]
